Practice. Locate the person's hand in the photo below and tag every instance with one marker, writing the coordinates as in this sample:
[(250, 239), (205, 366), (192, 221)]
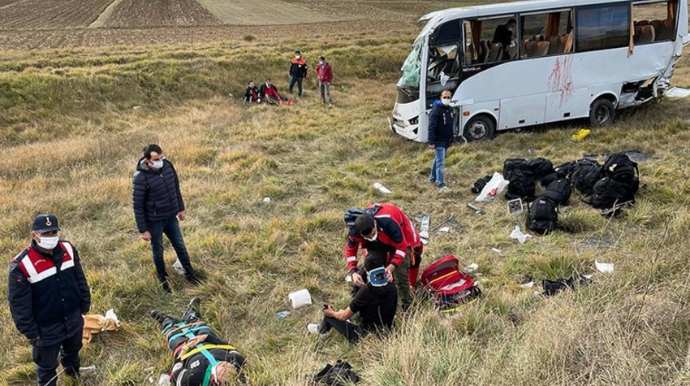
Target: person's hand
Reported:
[(329, 311), (389, 272), (181, 216), (146, 236), (196, 340), (357, 279), (432, 147)]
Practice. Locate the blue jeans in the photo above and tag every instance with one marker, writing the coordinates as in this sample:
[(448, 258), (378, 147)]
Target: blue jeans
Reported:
[(437, 166), (171, 228), (294, 80)]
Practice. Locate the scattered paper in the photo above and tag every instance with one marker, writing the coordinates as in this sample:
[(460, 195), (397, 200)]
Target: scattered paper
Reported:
[(527, 285), (136, 107), (381, 188), (282, 314), (443, 230), (496, 250), (88, 371), (471, 268), (517, 234), (677, 92), (424, 230), (267, 199), (603, 267), (348, 278), (425, 241)]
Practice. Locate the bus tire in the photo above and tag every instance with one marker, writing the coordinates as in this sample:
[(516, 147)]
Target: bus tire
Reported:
[(479, 128), (602, 112)]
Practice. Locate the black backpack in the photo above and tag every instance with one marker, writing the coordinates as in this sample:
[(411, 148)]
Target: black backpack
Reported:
[(519, 173), (549, 178), (621, 168), (559, 190), (609, 194), (480, 184), (352, 214), (565, 169), (585, 174), (542, 216), (540, 167), (336, 375)]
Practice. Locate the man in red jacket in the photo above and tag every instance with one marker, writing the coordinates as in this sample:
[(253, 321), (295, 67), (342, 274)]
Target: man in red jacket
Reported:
[(385, 229), (325, 75)]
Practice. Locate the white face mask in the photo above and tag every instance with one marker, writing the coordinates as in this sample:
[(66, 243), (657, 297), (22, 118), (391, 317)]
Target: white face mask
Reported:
[(157, 164), (48, 243), (297, 56), (321, 62), (445, 102), (374, 237)]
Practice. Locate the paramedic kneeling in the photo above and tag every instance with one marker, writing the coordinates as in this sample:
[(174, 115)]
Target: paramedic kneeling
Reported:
[(376, 303), (201, 357)]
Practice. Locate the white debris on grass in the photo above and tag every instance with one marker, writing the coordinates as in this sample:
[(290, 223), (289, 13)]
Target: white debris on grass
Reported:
[(382, 188), (517, 234), (603, 267)]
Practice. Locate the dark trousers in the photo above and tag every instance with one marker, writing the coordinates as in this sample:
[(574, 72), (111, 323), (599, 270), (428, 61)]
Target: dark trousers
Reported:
[(171, 228), (293, 80), (349, 330), (46, 359)]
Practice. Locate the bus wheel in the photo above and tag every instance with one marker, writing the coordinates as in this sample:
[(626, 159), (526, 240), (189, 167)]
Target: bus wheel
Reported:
[(602, 112), (480, 128)]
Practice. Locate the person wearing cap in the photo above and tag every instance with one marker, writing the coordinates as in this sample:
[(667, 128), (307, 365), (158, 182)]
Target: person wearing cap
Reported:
[(48, 294), (325, 75), (384, 228), (298, 71), (157, 203), (376, 302), (200, 356)]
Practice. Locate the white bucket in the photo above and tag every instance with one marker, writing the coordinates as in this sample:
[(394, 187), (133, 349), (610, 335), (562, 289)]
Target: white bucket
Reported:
[(300, 298)]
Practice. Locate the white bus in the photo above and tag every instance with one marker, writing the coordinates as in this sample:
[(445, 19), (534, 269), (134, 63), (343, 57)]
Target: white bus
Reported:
[(564, 59)]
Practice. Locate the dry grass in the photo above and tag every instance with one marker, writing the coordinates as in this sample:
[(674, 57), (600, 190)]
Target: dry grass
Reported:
[(266, 12), (76, 159)]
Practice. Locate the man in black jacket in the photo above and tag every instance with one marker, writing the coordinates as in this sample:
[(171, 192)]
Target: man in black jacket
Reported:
[(201, 357), (158, 204), (440, 138), (376, 302), (298, 71), (48, 294)]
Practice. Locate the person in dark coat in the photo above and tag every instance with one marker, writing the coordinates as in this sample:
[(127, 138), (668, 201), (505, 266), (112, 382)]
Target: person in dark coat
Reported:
[(200, 355), (504, 35), (298, 71), (440, 138), (158, 204), (251, 93), (48, 294), (376, 302)]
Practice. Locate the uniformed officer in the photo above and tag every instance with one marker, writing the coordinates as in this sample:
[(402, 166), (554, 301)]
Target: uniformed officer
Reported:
[(48, 294)]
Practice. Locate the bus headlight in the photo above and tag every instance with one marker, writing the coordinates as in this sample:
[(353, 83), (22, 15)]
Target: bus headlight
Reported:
[(414, 121)]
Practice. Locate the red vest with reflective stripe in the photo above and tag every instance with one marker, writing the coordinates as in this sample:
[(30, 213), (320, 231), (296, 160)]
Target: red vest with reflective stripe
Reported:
[(36, 267)]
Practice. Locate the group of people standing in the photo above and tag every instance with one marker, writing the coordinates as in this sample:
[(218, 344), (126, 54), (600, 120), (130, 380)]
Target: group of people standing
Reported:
[(48, 291), (268, 92)]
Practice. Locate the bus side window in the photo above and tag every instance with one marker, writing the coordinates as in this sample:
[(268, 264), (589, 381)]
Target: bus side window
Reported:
[(654, 22), (602, 26), (490, 40)]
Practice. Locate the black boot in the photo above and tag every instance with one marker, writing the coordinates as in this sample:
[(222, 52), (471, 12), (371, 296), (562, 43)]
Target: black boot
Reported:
[(193, 278), (165, 284), (192, 314), (158, 316)]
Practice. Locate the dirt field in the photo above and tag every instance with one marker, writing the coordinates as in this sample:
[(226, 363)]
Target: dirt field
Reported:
[(252, 12), (156, 13), (50, 13), (103, 37), (4, 3)]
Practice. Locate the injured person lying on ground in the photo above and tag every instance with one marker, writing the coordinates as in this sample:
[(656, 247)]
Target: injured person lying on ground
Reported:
[(201, 357)]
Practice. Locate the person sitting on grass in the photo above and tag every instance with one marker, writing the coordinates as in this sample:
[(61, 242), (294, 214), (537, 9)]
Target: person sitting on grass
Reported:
[(376, 303), (201, 357), (269, 93), (251, 93)]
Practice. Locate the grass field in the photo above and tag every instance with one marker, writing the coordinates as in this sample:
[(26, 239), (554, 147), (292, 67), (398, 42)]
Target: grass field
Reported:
[(71, 138)]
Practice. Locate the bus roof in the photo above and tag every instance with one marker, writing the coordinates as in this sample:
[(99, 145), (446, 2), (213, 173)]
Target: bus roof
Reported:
[(439, 17)]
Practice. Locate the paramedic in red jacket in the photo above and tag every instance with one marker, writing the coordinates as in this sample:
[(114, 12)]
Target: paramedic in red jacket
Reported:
[(325, 75), (385, 228)]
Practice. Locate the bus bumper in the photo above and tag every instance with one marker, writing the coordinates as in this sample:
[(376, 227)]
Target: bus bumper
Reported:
[(405, 121)]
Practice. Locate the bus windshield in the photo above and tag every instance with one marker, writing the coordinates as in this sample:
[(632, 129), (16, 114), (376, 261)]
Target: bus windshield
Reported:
[(412, 67)]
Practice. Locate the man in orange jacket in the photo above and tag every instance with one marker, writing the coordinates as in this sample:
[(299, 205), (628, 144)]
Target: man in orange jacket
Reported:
[(298, 71)]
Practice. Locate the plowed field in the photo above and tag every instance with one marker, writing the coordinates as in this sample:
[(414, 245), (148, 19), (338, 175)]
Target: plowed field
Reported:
[(253, 12), (50, 13), (158, 13)]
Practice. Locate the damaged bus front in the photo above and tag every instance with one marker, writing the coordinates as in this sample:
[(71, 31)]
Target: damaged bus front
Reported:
[(518, 64)]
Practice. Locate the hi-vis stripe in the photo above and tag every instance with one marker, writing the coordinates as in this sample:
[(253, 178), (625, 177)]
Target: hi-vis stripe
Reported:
[(35, 277)]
